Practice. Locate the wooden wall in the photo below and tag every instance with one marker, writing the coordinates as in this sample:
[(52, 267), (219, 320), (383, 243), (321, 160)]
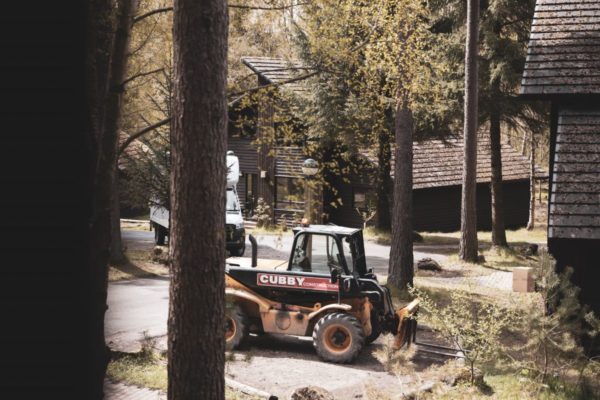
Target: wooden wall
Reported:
[(438, 209)]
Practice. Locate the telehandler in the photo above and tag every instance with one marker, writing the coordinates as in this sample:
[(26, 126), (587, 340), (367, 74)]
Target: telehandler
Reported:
[(325, 291)]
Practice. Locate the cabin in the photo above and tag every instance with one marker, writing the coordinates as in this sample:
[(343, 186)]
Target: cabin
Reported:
[(274, 172), (563, 68)]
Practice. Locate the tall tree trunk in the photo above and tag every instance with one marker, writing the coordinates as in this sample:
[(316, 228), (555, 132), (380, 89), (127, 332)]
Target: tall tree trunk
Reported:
[(498, 228), (468, 224), (126, 10), (531, 222), (116, 247), (99, 41), (196, 339), (401, 269), (384, 182)]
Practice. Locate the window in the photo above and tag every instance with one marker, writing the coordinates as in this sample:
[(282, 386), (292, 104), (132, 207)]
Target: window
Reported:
[(316, 253), (289, 194), (362, 198)]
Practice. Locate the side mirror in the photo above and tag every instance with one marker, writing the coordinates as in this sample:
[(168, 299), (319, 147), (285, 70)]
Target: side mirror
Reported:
[(335, 274)]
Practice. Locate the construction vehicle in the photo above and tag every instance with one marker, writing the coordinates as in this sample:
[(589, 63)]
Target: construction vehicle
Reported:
[(235, 233), (324, 290)]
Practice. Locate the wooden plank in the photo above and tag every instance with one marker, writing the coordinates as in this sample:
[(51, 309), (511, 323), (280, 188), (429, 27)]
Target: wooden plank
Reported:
[(566, 7), (581, 36), (563, 177), (569, 147), (574, 220), (580, 187), (575, 198), (577, 157), (574, 209), (567, 19), (577, 167), (592, 79), (565, 14), (573, 233)]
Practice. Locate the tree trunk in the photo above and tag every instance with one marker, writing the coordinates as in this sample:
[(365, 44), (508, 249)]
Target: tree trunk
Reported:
[(116, 244), (401, 269), (498, 229), (384, 182), (126, 11), (99, 40), (196, 340), (468, 224), (531, 222)]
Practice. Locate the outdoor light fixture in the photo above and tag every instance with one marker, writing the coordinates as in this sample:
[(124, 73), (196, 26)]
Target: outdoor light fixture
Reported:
[(310, 167)]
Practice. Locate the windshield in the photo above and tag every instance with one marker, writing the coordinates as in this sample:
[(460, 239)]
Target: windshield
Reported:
[(232, 204)]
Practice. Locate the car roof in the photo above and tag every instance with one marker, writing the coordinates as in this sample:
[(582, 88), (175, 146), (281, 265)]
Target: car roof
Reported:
[(334, 229)]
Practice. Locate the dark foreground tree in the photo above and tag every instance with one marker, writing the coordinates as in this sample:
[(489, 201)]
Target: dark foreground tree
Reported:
[(99, 40), (196, 341), (401, 252), (126, 10), (468, 222)]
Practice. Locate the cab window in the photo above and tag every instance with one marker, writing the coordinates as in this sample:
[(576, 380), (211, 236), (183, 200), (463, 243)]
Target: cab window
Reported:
[(316, 253)]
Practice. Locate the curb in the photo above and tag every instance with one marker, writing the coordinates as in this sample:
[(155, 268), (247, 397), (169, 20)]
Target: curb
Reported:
[(135, 221), (249, 389)]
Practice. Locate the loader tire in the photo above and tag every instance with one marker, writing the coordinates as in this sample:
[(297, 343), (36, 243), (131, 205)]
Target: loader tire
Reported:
[(338, 337), (236, 327)]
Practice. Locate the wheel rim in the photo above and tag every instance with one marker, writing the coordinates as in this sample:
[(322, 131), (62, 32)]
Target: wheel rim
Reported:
[(337, 338), (230, 328)]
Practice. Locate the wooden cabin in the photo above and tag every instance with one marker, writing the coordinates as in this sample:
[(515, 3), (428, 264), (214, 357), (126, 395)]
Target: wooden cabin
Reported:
[(274, 173), (563, 67)]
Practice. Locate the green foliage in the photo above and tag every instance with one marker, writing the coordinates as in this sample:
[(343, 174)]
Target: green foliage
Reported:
[(262, 214), (556, 326), (473, 328)]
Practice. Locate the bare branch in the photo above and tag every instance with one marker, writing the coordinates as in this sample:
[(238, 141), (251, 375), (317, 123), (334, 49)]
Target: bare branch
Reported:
[(142, 132), (273, 8), (238, 6), (150, 13), (139, 75)]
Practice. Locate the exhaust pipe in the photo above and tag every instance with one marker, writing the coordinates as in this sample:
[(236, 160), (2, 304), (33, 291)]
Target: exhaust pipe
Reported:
[(254, 250)]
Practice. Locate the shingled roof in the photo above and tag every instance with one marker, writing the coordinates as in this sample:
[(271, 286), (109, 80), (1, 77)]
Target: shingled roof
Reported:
[(575, 186), (276, 70), (439, 163), (563, 56)]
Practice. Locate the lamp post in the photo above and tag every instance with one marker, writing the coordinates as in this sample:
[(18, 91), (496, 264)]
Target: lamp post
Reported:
[(309, 168)]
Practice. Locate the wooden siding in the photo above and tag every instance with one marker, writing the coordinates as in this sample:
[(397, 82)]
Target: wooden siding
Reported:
[(575, 184), (563, 56), (288, 161)]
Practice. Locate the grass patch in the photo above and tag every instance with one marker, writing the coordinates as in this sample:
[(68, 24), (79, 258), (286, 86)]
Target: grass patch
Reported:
[(509, 387), (135, 226), (378, 236), (514, 237), (149, 369), (137, 264)]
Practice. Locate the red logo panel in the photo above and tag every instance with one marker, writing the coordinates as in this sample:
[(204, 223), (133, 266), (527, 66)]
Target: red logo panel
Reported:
[(296, 282)]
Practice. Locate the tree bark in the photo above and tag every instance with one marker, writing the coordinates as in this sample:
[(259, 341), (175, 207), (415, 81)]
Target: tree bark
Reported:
[(99, 40), (498, 227), (531, 222), (401, 269), (196, 340), (384, 182), (126, 10), (116, 247), (468, 224)]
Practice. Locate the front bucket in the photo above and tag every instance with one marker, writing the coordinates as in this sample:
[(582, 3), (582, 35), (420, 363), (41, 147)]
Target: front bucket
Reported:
[(407, 324)]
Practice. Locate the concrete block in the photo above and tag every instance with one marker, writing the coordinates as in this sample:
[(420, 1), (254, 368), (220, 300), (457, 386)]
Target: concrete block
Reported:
[(523, 279)]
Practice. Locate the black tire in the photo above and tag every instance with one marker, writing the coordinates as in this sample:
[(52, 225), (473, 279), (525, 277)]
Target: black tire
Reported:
[(236, 327), (375, 329), (238, 251), (338, 338), (160, 233)]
